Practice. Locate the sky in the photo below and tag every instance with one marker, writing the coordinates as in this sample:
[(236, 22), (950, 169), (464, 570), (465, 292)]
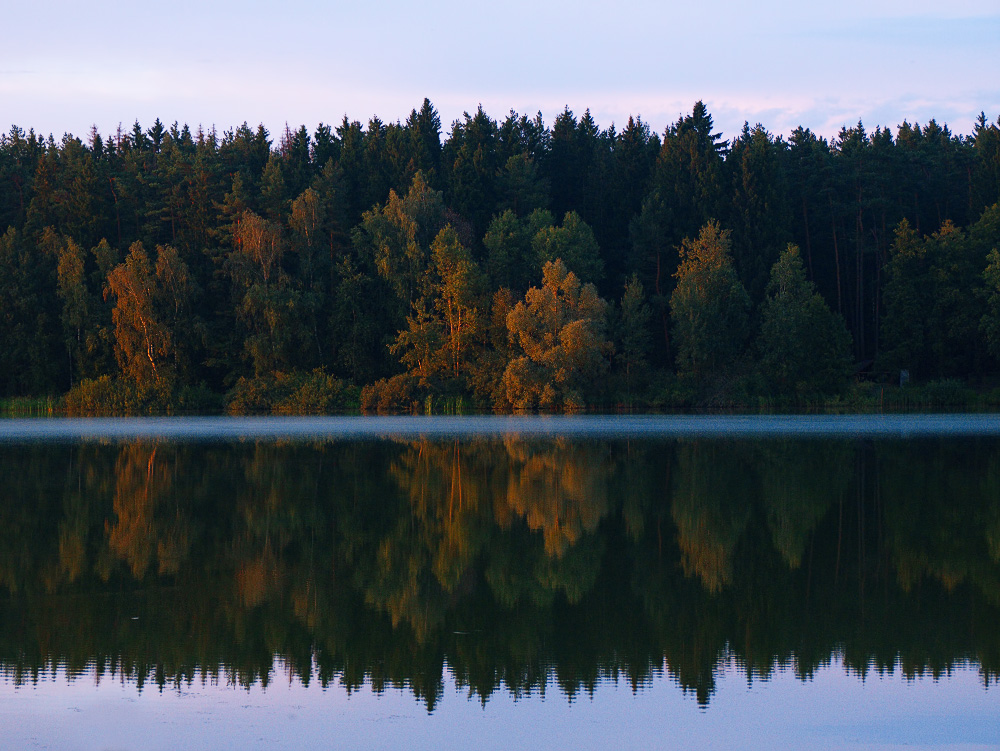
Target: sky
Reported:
[(66, 66)]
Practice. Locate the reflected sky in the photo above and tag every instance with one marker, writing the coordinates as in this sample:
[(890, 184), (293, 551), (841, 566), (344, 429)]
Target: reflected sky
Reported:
[(834, 710)]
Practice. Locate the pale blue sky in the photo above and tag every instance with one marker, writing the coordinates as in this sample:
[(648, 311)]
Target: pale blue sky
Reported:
[(67, 65)]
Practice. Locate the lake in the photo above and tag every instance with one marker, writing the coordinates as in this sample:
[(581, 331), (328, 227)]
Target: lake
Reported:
[(581, 582)]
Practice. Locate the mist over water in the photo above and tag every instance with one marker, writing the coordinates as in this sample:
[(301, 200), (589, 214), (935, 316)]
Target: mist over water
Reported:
[(577, 426)]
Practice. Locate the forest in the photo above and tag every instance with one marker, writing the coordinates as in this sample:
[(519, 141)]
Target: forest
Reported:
[(504, 266)]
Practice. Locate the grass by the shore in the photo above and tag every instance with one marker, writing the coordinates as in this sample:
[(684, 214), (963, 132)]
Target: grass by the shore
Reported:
[(30, 406), (862, 398)]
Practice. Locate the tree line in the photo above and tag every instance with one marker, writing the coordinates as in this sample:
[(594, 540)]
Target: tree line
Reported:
[(509, 265)]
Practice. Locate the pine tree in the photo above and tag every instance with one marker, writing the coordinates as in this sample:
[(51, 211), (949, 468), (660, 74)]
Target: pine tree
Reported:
[(633, 335), (803, 347)]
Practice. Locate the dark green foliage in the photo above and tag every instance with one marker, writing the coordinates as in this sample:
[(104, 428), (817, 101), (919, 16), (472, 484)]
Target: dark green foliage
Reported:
[(396, 238), (906, 301), (508, 252), (759, 209), (574, 165), (118, 396), (803, 347), (633, 336), (990, 323), (985, 237), (32, 352), (442, 332), (687, 184), (473, 163), (396, 394), (424, 128), (574, 242), (933, 314), (19, 155), (295, 393), (632, 156), (311, 252), (520, 186), (363, 309), (986, 164), (709, 309)]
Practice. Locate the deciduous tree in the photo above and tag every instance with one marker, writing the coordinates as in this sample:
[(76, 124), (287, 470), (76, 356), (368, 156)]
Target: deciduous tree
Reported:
[(559, 329), (143, 343)]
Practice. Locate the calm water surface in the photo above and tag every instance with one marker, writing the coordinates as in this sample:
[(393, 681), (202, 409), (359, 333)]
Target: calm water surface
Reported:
[(501, 583)]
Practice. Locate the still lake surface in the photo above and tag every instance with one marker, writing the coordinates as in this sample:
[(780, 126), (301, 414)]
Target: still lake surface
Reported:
[(582, 582)]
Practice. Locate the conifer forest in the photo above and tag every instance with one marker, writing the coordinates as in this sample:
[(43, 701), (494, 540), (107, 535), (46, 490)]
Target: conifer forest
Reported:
[(503, 265)]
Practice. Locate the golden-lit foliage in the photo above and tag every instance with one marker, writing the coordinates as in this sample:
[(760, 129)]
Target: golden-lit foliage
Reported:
[(426, 555), (152, 302), (711, 508), (147, 526), (559, 330), (446, 490), (258, 578), (444, 324), (559, 490), (142, 341), (398, 236), (260, 248)]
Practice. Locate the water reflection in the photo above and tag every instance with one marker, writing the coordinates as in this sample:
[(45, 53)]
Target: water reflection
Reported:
[(503, 563)]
